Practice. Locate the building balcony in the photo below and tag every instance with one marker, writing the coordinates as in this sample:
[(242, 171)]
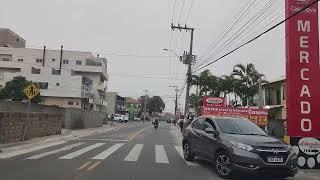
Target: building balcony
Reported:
[(100, 102), (100, 87), (10, 64), (93, 65)]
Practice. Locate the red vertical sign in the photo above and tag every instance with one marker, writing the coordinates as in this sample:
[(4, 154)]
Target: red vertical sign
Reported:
[(302, 69)]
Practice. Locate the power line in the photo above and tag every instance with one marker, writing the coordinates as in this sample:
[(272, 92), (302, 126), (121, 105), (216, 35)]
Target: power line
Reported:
[(183, 2), (240, 13), (258, 36), (189, 12), (258, 16)]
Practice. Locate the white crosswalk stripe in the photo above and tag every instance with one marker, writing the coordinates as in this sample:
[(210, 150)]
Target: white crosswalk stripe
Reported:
[(134, 153), (133, 156), (161, 155), (81, 151), (38, 156), (180, 151), (108, 152), (25, 151)]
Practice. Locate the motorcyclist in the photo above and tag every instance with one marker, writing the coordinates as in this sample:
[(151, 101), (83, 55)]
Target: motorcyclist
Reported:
[(156, 122)]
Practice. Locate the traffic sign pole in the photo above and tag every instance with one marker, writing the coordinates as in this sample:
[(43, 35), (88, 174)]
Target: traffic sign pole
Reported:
[(26, 121), (30, 91)]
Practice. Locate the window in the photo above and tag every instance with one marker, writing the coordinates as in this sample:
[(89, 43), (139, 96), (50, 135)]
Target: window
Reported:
[(55, 71), (77, 103), (20, 60), (198, 124), (35, 71), (93, 62), (239, 126), (53, 60), (209, 124), (283, 92), (78, 62), (65, 61), (43, 85), (38, 60), (70, 102), (5, 59), (57, 84), (18, 39)]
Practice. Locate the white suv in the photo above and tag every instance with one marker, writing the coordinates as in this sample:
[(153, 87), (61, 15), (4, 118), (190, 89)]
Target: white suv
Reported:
[(120, 118)]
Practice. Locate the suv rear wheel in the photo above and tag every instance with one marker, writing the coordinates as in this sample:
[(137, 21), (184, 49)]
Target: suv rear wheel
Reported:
[(223, 164), (187, 152)]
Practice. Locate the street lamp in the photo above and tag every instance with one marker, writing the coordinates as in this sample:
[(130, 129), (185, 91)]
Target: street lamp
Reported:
[(173, 52)]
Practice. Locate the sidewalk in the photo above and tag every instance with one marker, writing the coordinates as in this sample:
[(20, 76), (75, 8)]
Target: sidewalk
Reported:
[(66, 135), (308, 174)]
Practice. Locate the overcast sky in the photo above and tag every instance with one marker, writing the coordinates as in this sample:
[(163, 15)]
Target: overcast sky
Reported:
[(142, 27)]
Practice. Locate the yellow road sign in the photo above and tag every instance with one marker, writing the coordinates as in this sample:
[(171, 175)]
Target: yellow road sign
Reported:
[(31, 91)]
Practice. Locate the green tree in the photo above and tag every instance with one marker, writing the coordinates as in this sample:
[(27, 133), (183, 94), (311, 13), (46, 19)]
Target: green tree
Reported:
[(154, 104), (14, 90), (247, 82)]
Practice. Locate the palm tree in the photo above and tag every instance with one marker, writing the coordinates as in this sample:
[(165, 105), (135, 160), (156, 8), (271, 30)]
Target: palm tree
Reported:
[(196, 102), (248, 77)]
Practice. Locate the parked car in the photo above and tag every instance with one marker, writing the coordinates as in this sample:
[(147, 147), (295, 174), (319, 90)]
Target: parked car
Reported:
[(120, 118), (136, 119), (237, 144)]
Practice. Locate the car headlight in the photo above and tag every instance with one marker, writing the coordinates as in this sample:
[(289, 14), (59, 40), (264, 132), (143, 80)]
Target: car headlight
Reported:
[(241, 146)]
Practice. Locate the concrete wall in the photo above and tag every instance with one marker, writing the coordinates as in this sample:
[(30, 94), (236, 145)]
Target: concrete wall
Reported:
[(40, 124), (12, 106), (63, 102), (74, 118), (79, 118)]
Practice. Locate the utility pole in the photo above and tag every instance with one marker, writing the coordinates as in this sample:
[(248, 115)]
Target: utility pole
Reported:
[(260, 94), (176, 101), (145, 106), (189, 59)]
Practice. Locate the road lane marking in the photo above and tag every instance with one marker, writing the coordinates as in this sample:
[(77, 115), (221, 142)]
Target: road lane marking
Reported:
[(55, 151), (93, 166), (115, 140), (108, 152), (81, 151), (84, 165), (134, 135), (134, 153), (25, 151), (161, 155), (180, 151)]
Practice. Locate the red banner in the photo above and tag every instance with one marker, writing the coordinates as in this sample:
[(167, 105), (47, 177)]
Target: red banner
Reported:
[(302, 70), (209, 101), (257, 116)]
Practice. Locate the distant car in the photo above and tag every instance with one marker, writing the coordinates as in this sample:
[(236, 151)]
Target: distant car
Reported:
[(174, 121), (120, 118), (237, 144), (136, 119)]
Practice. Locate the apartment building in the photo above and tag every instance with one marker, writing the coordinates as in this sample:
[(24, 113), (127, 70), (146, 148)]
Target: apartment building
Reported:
[(275, 98), (66, 78)]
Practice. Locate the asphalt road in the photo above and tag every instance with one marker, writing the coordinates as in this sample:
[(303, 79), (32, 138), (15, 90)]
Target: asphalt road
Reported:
[(133, 152)]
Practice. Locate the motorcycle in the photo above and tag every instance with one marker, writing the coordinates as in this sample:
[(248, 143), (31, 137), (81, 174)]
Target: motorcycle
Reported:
[(155, 125)]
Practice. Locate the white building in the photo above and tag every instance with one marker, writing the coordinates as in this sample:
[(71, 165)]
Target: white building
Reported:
[(81, 83)]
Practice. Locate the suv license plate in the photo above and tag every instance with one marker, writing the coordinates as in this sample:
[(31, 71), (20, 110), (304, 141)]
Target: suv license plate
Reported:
[(275, 159)]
